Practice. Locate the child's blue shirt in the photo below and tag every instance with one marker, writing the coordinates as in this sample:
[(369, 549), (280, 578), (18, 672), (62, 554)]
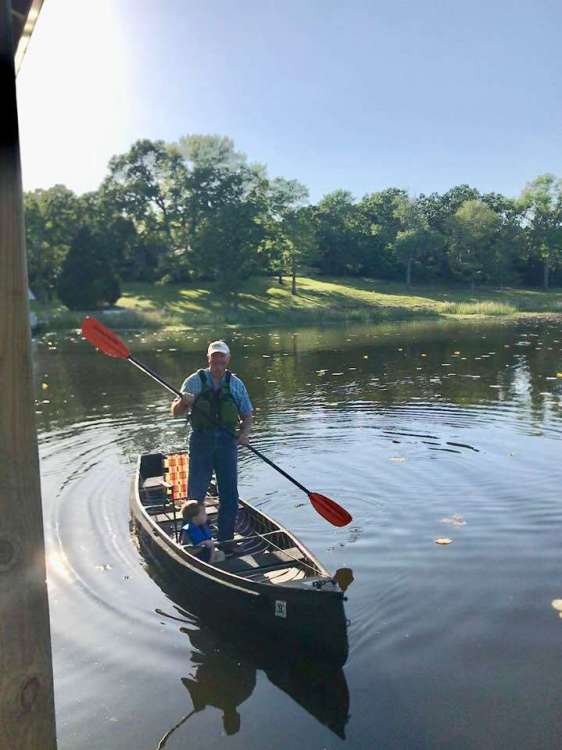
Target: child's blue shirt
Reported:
[(194, 534)]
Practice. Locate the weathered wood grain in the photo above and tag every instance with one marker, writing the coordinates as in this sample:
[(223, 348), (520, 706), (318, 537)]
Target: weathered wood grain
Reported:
[(26, 683)]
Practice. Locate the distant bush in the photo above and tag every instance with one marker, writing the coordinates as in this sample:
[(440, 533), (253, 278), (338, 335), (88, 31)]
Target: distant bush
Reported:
[(87, 280)]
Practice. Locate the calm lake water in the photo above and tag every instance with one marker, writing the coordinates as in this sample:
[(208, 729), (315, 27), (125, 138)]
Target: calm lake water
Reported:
[(421, 431)]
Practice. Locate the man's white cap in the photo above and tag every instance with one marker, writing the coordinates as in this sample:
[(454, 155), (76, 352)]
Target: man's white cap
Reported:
[(217, 346)]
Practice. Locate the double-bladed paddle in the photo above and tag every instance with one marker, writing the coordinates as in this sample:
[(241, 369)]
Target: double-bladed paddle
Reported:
[(109, 343)]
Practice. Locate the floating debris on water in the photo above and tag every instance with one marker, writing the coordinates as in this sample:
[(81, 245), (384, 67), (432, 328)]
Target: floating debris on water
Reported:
[(454, 520), (463, 445), (443, 540)]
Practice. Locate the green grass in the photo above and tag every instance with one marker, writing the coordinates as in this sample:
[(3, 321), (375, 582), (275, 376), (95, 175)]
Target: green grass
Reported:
[(262, 300), (486, 308), (54, 316)]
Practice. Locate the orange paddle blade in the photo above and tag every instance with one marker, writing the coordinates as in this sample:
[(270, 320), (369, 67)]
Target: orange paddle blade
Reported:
[(329, 509), (103, 339)]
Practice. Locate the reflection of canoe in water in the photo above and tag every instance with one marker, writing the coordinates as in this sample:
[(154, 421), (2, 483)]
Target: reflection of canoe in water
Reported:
[(274, 585), (225, 677)]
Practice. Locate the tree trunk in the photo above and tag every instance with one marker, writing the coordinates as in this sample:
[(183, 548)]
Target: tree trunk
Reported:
[(294, 274), (27, 717), (546, 274), (409, 272)]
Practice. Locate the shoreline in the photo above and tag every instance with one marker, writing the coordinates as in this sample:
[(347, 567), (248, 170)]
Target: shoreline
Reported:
[(262, 302)]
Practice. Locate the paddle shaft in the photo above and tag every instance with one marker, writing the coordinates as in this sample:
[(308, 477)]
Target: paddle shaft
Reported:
[(153, 375), (177, 393)]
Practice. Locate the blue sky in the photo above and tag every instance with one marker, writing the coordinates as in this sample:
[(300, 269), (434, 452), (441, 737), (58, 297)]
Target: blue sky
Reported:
[(354, 94)]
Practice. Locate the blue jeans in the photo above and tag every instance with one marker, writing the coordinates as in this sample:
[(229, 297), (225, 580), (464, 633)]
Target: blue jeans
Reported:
[(208, 450)]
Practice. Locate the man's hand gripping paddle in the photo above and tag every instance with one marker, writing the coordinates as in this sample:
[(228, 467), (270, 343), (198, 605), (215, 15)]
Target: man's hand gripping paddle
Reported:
[(109, 343)]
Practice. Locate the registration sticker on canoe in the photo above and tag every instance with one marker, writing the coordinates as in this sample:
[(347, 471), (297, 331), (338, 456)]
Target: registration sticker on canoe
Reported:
[(280, 608)]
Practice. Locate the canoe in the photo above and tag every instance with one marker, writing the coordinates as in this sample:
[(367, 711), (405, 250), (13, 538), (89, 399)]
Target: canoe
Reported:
[(273, 587)]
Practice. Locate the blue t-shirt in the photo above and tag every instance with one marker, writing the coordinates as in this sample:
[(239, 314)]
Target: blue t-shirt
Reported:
[(191, 532), (193, 385)]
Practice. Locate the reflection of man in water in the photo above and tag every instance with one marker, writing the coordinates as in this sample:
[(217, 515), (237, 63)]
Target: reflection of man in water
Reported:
[(225, 679), (222, 681)]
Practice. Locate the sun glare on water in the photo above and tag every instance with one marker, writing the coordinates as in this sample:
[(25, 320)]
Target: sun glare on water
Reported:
[(58, 568)]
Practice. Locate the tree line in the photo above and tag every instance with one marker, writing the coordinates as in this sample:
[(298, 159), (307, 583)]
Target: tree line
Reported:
[(198, 210)]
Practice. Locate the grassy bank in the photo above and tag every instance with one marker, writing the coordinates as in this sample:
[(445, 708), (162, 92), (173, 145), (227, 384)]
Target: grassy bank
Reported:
[(263, 301)]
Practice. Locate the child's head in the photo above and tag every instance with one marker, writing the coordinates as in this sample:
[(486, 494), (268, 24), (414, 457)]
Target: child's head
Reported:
[(194, 512)]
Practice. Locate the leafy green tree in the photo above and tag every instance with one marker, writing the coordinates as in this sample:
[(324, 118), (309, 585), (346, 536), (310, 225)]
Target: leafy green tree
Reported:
[(197, 209), (508, 252), (221, 184), (379, 224), (287, 227), (473, 230), (301, 241), (121, 242), (52, 218), (148, 185), (410, 243), (213, 152), (210, 162), (337, 234), (415, 242), (229, 233), (438, 209), (86, 280), (541, 203)]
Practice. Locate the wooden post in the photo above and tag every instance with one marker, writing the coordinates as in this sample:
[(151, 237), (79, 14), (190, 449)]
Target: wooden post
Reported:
[(27, 717)]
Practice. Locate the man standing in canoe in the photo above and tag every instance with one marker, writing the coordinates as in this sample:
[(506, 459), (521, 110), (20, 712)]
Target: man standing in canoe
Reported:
[(221, 419)]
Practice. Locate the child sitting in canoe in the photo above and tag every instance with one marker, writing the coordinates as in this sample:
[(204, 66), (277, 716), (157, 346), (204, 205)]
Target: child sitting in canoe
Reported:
[(196, 531)]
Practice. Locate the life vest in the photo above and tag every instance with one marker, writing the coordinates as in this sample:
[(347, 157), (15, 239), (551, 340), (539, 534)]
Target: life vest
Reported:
[(212, 409)]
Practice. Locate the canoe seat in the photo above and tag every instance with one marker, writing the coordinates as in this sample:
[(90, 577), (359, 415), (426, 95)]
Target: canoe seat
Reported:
[(154, 490), (260, 560), (152, 482), (284, 575), (165, 524), (155, 510)]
